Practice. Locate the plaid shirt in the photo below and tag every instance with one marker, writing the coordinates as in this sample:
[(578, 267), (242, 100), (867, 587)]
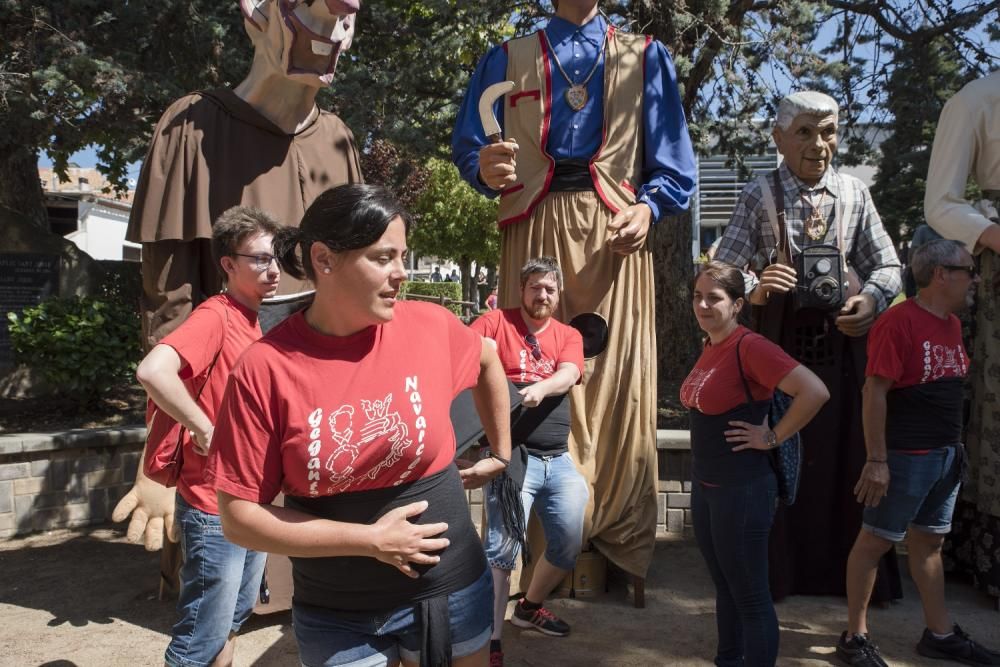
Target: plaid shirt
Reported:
[(749, 231)]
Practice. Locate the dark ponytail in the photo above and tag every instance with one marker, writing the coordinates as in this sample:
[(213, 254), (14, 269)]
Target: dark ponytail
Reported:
[(286, 242)]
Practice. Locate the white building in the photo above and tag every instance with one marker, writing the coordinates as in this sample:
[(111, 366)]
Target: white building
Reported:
[(95, 224)]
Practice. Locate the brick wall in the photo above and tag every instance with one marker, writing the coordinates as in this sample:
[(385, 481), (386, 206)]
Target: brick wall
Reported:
[(66, 480), (673, 486)]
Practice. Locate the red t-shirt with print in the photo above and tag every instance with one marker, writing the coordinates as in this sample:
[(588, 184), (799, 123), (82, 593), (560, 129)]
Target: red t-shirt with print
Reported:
[(219, 322), (911, 346), (558, 344), (713, 387), (315, 415), (925, 358)]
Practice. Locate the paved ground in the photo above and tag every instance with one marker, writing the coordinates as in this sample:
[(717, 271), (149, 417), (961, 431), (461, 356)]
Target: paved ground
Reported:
[(87, 598)]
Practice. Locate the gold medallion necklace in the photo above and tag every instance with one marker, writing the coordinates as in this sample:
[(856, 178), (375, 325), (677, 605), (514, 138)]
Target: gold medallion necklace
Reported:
[(815, 224), (576, 94)]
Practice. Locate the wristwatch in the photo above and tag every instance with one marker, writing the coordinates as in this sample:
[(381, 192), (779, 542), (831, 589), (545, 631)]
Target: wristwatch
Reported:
[(771, 439)]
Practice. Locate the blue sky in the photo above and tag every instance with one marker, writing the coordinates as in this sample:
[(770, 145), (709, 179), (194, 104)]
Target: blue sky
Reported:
[(87, 158)]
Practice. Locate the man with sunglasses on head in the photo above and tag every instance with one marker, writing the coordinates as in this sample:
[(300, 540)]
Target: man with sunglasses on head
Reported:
[(544, 358), (185, 376), (913, 414)]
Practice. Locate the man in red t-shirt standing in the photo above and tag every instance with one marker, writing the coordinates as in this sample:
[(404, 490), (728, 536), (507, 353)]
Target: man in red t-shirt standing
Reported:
[(185, 376), (544, 358), (913, 408)]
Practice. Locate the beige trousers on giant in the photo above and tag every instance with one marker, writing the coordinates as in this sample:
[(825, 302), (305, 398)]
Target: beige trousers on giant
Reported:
[(613, 439)]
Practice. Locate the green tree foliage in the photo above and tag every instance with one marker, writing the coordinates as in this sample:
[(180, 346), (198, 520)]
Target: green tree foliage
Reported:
[(408, 68), (444, 293), (81, 346), (455, 222), (926, 74), (74, 74)]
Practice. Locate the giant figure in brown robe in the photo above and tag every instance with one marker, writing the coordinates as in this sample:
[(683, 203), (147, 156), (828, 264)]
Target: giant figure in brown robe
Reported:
[(265, 144)]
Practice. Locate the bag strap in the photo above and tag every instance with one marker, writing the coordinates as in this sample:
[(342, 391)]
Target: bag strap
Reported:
[(844, 211), (211, 366), (743, 377), (157, 410)]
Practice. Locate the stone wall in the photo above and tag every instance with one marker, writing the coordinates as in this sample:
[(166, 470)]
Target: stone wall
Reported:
[(65, 480), (75, 478), (673, 490)]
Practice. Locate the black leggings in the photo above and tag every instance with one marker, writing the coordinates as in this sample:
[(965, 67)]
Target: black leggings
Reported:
[(732, 524)]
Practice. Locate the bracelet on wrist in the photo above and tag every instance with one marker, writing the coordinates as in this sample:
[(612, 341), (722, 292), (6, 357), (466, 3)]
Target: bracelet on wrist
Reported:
[(877, 460), (494, 455)]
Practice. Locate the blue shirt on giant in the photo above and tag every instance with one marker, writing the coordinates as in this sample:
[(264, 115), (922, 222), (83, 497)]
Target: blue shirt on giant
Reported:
[(668, 159)]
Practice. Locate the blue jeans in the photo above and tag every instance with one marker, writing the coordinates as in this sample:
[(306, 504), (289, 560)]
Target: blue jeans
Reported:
[(220, 583), (731, 526), (559, 495), (922, 493), (328, 638)]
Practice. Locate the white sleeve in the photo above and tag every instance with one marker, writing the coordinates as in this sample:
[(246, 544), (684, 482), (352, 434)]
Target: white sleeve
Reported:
[(955, 147)]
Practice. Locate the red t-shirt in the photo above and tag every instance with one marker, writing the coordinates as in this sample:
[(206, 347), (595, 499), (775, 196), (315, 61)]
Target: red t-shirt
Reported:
[(713, 387), (911, 346), (558, 344), (315, 415), (218, 322)]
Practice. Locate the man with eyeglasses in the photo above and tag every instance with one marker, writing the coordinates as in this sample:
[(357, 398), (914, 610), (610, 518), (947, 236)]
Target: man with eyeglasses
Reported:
[(913, 414), (185, 376), (544, 358)]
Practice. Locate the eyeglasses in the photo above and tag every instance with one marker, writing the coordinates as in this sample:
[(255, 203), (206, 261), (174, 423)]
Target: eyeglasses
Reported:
[(262, 262), (971, 270), (536, 351)]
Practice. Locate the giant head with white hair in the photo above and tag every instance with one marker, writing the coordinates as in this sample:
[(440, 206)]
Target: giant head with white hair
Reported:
[(805, 133), (300, 39)]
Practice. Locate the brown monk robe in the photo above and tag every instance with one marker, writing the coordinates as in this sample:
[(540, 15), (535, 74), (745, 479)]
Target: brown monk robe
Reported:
[(212, 150)]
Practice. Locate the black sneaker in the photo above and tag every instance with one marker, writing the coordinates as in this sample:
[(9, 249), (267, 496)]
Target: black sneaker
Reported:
[(959, 647), (859, 651), (540, 619)]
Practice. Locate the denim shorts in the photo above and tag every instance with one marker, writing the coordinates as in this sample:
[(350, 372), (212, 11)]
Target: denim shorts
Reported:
[(558, 493), (220, 582), (372, 639), (922, 493)]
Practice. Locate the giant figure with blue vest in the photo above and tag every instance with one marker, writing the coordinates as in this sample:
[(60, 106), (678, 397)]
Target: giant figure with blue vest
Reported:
[(597, 152)]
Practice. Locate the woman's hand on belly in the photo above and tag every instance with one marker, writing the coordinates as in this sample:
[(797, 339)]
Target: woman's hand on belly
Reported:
[(398, 542)]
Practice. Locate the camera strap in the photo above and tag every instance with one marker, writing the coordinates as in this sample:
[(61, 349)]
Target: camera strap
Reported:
[(774, 203), (776, 216)]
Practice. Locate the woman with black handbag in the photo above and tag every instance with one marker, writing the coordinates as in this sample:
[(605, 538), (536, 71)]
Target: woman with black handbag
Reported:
[(734, 490)]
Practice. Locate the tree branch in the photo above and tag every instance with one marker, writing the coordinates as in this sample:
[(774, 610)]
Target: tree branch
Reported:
[(957, 21)]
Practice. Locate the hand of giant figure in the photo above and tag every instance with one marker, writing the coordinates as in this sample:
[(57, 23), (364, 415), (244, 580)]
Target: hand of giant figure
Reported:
[(296, 47), (152, 508)]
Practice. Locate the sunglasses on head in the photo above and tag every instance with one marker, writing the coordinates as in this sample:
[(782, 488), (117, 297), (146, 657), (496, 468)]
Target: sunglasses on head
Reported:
[(971, 270), (536, 351)]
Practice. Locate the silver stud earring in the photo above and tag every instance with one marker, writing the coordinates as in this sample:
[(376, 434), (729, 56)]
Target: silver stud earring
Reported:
[(326, 269)]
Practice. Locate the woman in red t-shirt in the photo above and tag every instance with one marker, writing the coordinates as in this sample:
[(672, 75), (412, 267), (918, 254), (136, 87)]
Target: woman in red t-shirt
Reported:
[(344, 407), (734, 489)]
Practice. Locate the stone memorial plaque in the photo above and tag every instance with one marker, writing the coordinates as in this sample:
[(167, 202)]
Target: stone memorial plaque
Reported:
[(25, 279)]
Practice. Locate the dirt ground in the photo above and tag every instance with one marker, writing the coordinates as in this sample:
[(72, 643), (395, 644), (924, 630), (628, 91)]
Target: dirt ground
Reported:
[(88, 598)]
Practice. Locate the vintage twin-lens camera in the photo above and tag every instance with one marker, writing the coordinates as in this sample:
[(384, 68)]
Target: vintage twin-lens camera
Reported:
[(822, 281)]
